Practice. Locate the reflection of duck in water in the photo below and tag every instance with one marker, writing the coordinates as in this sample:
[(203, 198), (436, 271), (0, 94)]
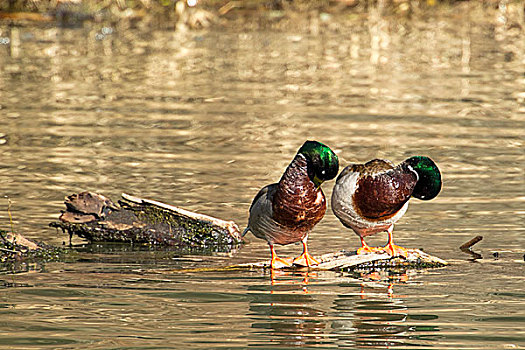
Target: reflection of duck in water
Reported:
[(289, 277), (375, 321), (285, 313), (287, 211), (370, 198), (369, 316)]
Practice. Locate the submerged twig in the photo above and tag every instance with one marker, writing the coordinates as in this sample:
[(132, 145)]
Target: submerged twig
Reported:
[(9, 250), (10, 216), (229, 6), (470, 243), (465, 247), (13, 239)]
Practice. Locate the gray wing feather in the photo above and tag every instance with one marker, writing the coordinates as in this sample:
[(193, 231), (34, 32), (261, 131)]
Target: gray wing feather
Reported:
[(261, 221)]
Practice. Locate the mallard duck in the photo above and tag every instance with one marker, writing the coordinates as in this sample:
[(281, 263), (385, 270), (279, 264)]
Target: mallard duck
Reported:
[(370, 198), (286, 212)]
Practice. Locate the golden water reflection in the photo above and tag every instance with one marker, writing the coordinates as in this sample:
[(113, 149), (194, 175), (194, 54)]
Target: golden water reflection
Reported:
[(203, 120), (294, 311)]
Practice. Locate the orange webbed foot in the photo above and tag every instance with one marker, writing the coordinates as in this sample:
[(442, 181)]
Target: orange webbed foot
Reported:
[(395, 250), (391, 248), (276, 262), (279, 263), (366, 249), (305, 259)]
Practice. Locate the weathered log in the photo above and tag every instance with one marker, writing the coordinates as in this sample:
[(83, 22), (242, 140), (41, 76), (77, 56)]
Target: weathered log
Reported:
[(135, 220), (349, 261)]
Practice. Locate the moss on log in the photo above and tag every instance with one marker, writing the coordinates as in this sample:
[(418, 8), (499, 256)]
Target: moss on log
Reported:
[(135, 220)]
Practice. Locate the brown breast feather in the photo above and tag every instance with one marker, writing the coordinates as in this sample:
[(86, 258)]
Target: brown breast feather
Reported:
[(297, 203), (380, 196)]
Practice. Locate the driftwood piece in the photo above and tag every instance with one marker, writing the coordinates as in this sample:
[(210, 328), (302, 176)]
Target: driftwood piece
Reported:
[(137, 220), (344, 260), (16, 252)]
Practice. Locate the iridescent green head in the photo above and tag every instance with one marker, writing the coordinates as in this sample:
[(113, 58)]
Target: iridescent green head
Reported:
[(429, 178), (323, 163)]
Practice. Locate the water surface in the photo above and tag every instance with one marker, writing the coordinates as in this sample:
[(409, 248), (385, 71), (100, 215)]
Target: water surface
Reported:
[(203, 120)]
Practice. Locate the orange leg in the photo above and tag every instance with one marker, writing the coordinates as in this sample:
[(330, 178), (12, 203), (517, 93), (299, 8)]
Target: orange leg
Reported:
[(365, 248), (276, 262), (393, 249), (305, 259)]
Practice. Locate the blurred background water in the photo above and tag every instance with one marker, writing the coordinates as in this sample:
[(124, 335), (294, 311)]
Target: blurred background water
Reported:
[(203, 119)]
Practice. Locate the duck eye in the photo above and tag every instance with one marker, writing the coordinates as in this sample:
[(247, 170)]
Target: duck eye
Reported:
[(323, 172)]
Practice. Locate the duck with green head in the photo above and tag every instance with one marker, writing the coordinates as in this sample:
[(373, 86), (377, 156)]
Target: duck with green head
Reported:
[(370, 198), (286, 212)]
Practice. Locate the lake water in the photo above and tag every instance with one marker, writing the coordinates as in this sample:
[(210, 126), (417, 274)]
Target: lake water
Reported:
[(202, 120)]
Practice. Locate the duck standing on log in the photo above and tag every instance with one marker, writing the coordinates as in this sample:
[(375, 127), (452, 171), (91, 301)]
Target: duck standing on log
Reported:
[(286, 212), (370, 198)]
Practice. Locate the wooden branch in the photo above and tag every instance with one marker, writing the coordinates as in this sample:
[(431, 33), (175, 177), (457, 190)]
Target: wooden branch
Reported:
[(465, 247), (343, 260), (470, 243), (27, 16), (5, 250)]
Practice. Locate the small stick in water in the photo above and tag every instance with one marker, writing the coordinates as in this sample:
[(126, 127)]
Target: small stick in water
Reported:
[(9, 250), (467, 245)]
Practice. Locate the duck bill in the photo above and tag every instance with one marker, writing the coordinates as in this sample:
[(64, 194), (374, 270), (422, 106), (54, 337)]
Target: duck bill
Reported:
[(317, 181)]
